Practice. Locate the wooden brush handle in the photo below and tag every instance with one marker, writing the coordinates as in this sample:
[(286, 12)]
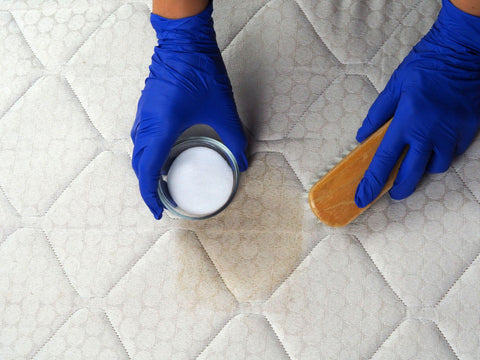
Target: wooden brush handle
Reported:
[(332, 198)]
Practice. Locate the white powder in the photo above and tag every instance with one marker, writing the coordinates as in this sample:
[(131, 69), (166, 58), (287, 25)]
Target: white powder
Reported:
[(200, 181)]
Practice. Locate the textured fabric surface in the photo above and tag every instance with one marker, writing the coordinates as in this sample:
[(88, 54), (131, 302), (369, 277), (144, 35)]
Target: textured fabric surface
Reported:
[(87, 273)]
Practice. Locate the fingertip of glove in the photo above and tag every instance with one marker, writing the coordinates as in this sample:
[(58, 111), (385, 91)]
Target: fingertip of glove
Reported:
[(154, 205), (243, 163), (158, 215), (437, 169), (360, 202), (399, 194), (156, 210), (361, 134), (367, 191), (396, 195), (363, 194)]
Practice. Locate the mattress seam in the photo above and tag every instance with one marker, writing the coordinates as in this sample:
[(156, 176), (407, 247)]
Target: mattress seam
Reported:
[(43, 213), (153, 244), (288, 276), (457, 280), (280, 152), (212, 262), (9, 108), (391, 289), (109, 321), (387, 338), (212, 338), (83, 107), (25, 38), (52, 205), (295, 173), (95, 155), (17, 213), (59, 262), (465, 184), (446, 340), (94, 31), (389, 36), (278, 337), (302, 115), (305, 15), (134, 263), (379, 271), (367, 76), (8, 234), (245, 25), (42, 346)]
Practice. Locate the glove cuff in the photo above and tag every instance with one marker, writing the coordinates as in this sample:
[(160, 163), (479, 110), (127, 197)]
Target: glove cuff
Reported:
[(459, 26), (197, 29)]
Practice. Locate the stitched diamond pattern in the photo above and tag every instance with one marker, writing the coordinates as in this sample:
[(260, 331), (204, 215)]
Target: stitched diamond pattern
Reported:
[(85, 270)]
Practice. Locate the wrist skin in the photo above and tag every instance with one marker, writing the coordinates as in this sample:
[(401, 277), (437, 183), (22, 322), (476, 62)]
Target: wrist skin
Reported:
[(471, 7), (177, 9)]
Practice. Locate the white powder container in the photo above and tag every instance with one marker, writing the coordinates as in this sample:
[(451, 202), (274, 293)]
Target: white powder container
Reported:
[(199, 178)]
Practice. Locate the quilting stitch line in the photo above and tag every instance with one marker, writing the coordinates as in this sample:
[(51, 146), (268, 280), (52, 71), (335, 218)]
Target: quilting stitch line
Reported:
[(212, 262), (281, 283), (71, 182), (446, 340), (465, 184), (8, 236), (20, 97), (265, 347), (212, 338), (302, 115), (17, 214), (59, 262), (109, 321), (25, 39), (278, 338), (94, 31), (386, 339), (458, 279), (315, 30), (83, 107), (245, 25), (400, 22), (279, 152), (134, 263), (73, 312), (378, 269), (367, 76)]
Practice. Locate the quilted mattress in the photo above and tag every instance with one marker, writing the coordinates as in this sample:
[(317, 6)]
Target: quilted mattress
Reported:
[(87, 273)]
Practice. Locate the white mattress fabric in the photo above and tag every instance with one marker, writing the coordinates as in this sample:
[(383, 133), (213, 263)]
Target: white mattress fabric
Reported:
[(87, 273)]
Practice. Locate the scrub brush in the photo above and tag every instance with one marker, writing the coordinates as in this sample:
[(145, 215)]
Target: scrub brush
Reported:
[(332, 198)]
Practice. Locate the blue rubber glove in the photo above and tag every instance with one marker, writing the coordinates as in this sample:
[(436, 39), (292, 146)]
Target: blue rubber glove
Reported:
[(434, 96), (188, 84)]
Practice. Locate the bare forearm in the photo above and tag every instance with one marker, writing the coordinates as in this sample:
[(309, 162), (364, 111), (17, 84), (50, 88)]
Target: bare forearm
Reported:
[(176, 9), (469, 6)]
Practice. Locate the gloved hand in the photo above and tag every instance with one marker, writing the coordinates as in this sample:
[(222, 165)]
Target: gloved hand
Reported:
[(434, 98), (188, 84)]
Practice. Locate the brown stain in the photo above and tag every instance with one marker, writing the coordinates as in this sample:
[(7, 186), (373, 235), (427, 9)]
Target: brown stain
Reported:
[(257, 241), (197, 283)]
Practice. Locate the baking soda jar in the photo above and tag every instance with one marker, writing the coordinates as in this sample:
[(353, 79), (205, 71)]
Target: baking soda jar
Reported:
[(199, 178)]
